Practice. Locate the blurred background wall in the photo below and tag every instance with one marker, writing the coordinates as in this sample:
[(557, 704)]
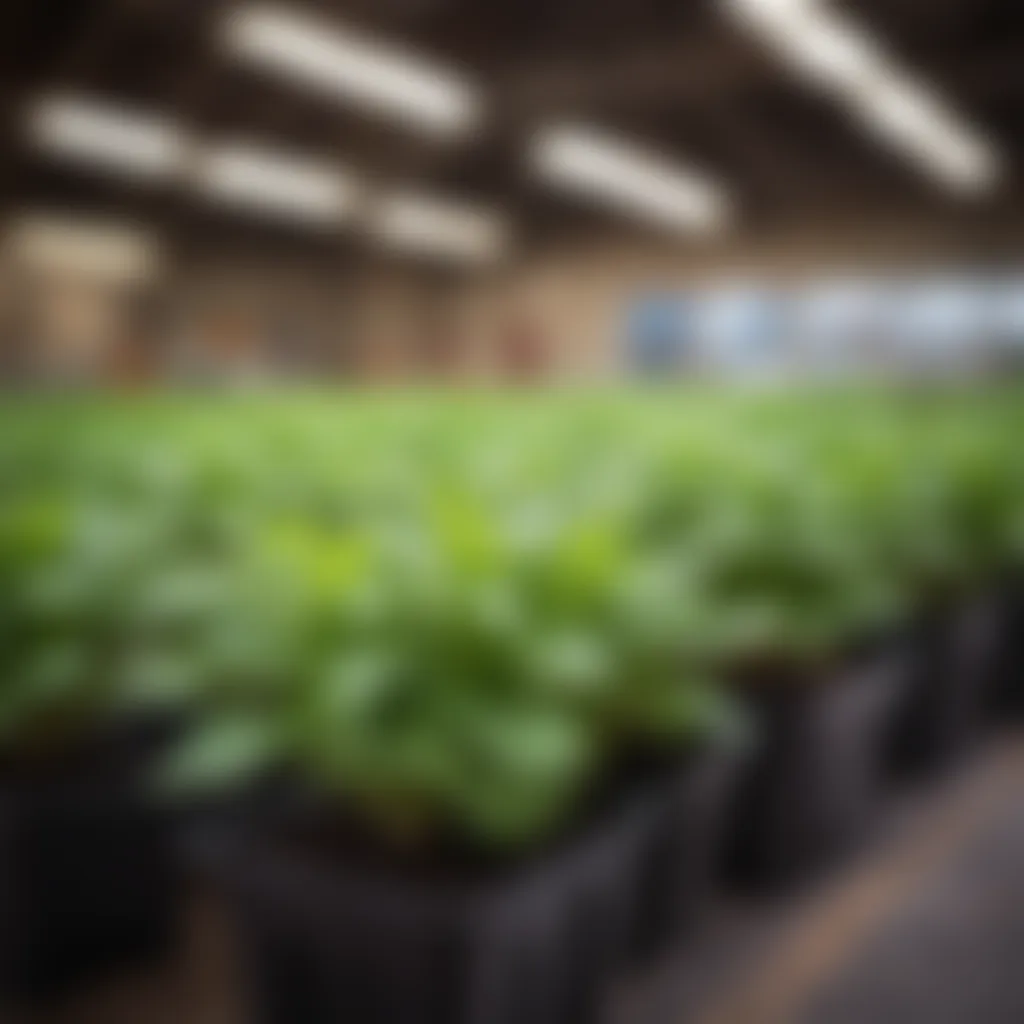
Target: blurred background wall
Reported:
[(440, 190)]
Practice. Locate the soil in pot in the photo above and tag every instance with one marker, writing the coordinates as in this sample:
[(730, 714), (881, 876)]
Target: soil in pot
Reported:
[(86, 868), (815, 781)]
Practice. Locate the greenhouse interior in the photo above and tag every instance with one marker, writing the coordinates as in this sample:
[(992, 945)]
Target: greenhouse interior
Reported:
[(511, 512)]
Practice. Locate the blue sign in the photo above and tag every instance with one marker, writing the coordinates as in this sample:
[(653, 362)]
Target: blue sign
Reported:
[(656, 335)]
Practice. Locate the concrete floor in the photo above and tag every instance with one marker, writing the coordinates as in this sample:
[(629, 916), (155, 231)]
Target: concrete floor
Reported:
[(925, 925)]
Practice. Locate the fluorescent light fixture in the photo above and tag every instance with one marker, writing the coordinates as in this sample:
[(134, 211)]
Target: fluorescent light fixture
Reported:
[(107, 137), (438, 227), (838, 56), (334, 60), (112, 252), (829, 53), (914, 120), (581, 159), (275, 184)]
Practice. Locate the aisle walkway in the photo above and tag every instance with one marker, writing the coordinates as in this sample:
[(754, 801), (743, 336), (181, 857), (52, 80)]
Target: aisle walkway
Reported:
[(927, 925)]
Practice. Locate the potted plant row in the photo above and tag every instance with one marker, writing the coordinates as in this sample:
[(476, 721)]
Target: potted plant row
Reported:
[(461, 684), (496, 781), (804, 633), (87, 869)]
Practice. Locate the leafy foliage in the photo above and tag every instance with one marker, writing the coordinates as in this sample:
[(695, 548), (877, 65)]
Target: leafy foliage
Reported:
[(459, 611)]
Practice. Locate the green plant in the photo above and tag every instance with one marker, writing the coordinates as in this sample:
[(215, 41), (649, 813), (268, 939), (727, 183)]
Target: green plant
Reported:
[(459, 612)]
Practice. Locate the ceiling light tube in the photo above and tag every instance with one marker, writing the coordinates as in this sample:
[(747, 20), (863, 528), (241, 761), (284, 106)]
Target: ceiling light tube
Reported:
[(275, 184), (826, 51), (912, 120), (430, 226), (840, 57), (613, 172), (379, 78), (107, 137)]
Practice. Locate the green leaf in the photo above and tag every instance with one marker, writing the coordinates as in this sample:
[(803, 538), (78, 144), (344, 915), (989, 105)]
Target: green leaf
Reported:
[(225, 750)]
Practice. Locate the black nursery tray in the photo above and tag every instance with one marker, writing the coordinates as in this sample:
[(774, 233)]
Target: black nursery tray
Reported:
[(1006, 696), (538, 941), (87, 878), (816, 780), (956, 662)]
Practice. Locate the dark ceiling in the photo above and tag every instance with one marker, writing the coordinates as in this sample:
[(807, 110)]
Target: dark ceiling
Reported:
[(673, 73)]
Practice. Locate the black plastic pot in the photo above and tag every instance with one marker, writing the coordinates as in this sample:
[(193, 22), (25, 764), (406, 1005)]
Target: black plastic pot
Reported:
[(816, 780), (680, 871), (327, 941), (87, 878), (1006, 697), (955, 666)]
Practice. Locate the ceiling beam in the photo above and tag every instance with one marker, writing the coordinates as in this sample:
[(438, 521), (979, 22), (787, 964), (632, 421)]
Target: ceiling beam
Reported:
[(692, 71)]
